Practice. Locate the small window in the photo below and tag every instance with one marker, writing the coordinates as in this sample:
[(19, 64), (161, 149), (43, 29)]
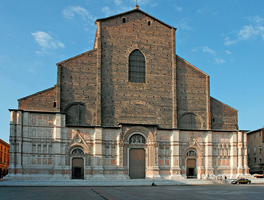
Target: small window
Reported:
[(124, 20), (149, 23), (260, 149), (54, 104), (260, 160), (255, 159)]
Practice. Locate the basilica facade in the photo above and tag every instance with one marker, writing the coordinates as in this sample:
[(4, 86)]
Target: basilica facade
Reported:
[(130, 108)]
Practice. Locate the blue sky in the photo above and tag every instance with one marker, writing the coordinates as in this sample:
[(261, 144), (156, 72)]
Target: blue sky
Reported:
[(224, 38)]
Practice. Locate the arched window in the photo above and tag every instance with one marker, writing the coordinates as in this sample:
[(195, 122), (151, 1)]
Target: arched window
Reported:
[(136, 67)]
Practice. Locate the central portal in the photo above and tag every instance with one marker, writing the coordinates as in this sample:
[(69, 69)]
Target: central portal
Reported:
[(137, 168), (191, 168), (77, 168)]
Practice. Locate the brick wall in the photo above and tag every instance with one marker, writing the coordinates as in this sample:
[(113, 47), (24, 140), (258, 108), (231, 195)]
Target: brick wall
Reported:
[(42, 101), (129, 102), (78, 84), (192, 94), (223, 116)]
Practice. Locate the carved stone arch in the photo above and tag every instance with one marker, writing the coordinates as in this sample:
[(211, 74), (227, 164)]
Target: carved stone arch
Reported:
[(149, 136), (81, 146), (195, 148), (78, 141)]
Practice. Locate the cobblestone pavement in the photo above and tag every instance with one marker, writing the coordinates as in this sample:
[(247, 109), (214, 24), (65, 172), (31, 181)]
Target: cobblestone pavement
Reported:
[(205, 192)]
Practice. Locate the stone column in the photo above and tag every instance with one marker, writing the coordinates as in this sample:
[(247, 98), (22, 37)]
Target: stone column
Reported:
[(175, 155), (13, 144), (233, 155), (98, 155), (240, 168), (26, 144), (57, 147), (246, 168), (120, 158), (19, 141), (209, 170)]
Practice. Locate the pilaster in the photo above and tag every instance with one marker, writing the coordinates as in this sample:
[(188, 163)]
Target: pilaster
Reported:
[(175, 155), (209, 153)]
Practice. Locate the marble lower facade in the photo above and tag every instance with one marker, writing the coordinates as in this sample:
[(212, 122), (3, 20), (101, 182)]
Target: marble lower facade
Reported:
[(43, 147)]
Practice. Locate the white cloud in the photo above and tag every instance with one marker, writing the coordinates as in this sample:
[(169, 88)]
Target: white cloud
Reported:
[(219, 61), (228, 52), (184, 24), (253, 30), (207, 49), (179, 9), (228, 41), (107, 11), (200, 11), (46, 41), (71, 11), (256, 19), (118, 2), (247, 32)]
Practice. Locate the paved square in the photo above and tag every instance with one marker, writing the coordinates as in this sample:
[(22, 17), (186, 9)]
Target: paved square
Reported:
[(205, 192)]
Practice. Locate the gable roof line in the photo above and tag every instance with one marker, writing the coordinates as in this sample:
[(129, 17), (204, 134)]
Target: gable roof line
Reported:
[(192, 65), (135, 10), (42, 91), (223, 103), (79, 55)]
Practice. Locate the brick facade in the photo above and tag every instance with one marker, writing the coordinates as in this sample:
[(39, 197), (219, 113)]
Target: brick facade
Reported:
[(95, 115)]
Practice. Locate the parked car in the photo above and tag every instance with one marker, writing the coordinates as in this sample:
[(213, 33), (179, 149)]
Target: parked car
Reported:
[(241, 181)]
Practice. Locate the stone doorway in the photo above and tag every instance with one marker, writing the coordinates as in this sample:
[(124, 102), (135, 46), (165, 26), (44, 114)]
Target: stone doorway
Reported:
[(191, 168), (77, 168), (137, 167)]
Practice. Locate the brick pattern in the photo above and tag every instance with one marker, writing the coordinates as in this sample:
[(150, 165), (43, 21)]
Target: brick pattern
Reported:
[(41, 101), (191, 92), (78, 83), (124, 101), (223, 116), (97, 81)]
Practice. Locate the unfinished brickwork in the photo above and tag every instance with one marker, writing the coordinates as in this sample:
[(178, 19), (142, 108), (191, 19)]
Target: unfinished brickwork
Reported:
[(45, 100), (223, 116), (77, 79), (129, 108), (192, 96)]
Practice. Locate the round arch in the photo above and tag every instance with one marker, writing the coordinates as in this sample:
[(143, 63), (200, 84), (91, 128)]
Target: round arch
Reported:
[(190, 120)]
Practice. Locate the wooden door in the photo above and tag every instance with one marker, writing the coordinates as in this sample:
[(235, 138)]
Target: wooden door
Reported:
[(137, 168), (191, 168), (77, 168)]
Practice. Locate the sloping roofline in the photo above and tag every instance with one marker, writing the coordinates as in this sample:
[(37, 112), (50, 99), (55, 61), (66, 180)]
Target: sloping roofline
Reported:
[(224, 103), (42, 91), (135, 10)]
